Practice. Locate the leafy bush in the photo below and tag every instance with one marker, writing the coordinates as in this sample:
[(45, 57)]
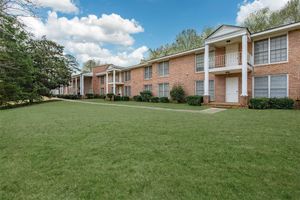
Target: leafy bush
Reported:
[(69, 96), (177, 93), (117, 98), (90, 96), (110, 96), (154, 99), (271, 103), (97, 96), (194, 100), (146, 95), (125, 98), (137, 98), (164, 100)]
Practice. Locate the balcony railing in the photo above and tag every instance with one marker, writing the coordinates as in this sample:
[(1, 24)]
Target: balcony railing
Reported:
[(227, 60)]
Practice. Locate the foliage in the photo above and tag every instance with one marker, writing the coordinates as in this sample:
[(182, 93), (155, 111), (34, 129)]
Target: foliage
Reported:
[(69, 96), (194, 100), (117, 98), (185, 40), (146, 95), (137, 98), (125, 98), (265, 18), (164, 100), (154, 99), (110, 96), (29, 68), (90, 96), (88, 66), (177, 93), (271, 103)]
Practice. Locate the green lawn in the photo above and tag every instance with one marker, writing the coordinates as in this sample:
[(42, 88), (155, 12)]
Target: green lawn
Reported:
[(66, 150), (149, 104)]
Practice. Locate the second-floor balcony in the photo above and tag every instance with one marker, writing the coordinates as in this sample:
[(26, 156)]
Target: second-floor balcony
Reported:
[(229, 62)]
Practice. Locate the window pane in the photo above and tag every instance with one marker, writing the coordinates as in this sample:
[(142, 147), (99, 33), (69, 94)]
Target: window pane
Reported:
[(200, 88), (261, 53), (166, 89), (166, 68), (278, 50), (199, 62), (278, 86), (261, 87), (212, 90), (212, 59)]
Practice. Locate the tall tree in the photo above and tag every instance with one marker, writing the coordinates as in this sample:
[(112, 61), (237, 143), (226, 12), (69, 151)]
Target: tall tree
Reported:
[(88, 66)]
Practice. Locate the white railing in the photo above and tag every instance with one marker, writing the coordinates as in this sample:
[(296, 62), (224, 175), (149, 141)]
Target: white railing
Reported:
[(228, 59)]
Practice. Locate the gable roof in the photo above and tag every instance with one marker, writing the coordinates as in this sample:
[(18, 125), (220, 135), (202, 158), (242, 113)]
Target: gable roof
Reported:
[(226, 29)]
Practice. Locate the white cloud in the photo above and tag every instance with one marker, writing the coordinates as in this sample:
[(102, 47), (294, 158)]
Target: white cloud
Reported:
[(249, 7), (65, 6), (86, 37)]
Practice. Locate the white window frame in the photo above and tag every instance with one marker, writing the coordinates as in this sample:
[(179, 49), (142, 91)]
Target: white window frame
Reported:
[(148, 85), (164, 89), (127, 76), (126, 90), (196, 63), (269, 84), (269, 50), (148, 68), (164, 65), (214, 88)]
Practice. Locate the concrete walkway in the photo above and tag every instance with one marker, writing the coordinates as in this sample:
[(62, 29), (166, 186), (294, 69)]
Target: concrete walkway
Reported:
[(206, 111)]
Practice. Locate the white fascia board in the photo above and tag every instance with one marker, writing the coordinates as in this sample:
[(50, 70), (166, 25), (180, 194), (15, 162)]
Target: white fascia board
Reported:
[(226, 37), (283, 28)]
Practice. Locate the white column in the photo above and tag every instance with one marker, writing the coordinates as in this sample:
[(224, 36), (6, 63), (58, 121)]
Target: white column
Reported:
[(76, 87), (206, 68), (106, 81), (82, 85), (244, 65), (114, 81)]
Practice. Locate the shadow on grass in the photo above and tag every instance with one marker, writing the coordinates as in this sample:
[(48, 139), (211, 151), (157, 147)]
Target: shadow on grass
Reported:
[(13, 106)]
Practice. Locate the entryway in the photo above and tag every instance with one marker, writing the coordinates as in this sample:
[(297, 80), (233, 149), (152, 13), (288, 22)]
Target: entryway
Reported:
[(232, 89)]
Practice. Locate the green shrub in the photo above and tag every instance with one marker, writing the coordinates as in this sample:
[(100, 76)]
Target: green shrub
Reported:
[(117, 98), (146, 95), (69, 96), (110, 96), (90, 95), (125, 98), (271, 103), (177, 93), (164, 100), (154, 99), (101, 96), (194, 100), (137, 98)]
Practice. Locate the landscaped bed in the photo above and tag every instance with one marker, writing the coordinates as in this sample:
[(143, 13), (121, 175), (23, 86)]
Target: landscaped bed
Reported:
[(66, 150)]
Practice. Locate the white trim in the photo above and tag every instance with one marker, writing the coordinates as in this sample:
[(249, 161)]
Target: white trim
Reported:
[(269, 86), (287, 85), (226, 36), (295, 25)]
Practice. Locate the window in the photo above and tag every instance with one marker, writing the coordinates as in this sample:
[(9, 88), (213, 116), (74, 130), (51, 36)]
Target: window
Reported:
[(102, 79), (271, 50), (271, 86), (148, 72), (102, 91), (127, 91), (278, 86), (199, 62), (278, 49), (261, 52), (127, 76), (200, 89), (163, 68), (261, 86), (148, 88), (163, 90)]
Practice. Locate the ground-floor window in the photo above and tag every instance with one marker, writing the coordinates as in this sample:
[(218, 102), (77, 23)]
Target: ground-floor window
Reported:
[(127, 91), (148, 88), (200, 89), (102, 91), (163, 90), (271, 86)]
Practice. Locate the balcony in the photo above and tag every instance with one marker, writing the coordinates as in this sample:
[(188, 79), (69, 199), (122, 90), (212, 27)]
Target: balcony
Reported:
[(228, 63)]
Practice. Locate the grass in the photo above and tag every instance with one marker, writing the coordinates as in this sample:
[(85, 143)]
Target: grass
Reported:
[(182, 106), (65, 150)]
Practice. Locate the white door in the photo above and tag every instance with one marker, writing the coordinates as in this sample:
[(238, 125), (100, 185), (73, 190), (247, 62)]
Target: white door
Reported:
[(232, 55), (232, 90)]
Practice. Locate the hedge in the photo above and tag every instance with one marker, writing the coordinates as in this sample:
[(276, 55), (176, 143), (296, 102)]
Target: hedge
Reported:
[(137, 98), (146, 95), (69, 96), (194, 100), (154, 99), (164, 100), (271, 103)]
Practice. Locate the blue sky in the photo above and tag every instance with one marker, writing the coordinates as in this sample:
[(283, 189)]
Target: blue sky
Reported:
[(122, 31)]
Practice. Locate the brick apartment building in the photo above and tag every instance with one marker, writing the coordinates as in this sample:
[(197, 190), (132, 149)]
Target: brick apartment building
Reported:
[(233, 66)]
